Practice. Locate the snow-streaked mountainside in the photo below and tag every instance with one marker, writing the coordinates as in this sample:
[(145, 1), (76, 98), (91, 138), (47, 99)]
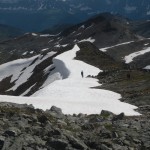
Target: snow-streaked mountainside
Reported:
[(34, 52), (129, 58), (23, 69), (47, 68), (73, 93), (43, 14)]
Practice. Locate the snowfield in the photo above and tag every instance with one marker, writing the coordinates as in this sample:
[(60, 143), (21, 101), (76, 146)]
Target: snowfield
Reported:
[(72, 93), (88, 40)]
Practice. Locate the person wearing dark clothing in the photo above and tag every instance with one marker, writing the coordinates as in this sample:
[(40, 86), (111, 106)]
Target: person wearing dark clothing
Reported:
[(82, 74), (128, 76)]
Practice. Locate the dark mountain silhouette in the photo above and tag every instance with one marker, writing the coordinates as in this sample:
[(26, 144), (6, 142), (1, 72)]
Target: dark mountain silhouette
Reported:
[(142, 28), (41, 14), (7, 32)]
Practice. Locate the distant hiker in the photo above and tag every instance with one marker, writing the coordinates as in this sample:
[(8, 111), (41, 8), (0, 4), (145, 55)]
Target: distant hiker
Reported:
[(82, 74), (128, 76)]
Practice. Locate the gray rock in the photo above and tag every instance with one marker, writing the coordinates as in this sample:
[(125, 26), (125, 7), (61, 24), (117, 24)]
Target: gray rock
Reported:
[(76, 143), (12, 131), (104, 147), (118, 147), (114, 135), (42, 119), (2, 140), (106, 134), (54, 132), (56, 110), (137, 141), (61, 123), (58, 144), (118, 117), (106, 113), (17, 144)]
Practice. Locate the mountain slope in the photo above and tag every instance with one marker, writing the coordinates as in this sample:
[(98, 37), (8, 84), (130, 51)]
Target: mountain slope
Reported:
[(142, 28), (7, 32), (135, 53), (102, 30), (29, 63), (32, 53), (73, 93)]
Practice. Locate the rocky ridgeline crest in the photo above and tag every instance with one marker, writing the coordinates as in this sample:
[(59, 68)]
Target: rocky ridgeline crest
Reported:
[(25, 128)]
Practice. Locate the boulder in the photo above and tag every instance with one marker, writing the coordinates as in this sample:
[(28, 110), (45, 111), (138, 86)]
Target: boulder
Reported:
[(77, 144), (2, 140), (59, 144), (106, 114), (12, 131), (104, 147), (56, 110), (118, 117), (42, 119)]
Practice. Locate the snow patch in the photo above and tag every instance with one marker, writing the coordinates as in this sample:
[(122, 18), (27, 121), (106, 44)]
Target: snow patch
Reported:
[(82, 27), (51, 41), (45, 49), (47, 70), (105, 48), (45, 35), (25, 53), (49, 35), (78, 34), (128, 59), (50, 54), (34, 34), (146, 44), (57, 46), (31, 52), (147, 67), (65, 45), (88, 40)]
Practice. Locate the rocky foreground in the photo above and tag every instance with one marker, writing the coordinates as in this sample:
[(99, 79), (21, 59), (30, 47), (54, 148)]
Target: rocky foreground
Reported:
[(22, 127)]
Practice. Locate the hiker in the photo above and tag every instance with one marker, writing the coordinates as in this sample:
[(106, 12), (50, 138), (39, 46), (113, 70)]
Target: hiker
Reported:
[(128, 76), (82, 74)]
